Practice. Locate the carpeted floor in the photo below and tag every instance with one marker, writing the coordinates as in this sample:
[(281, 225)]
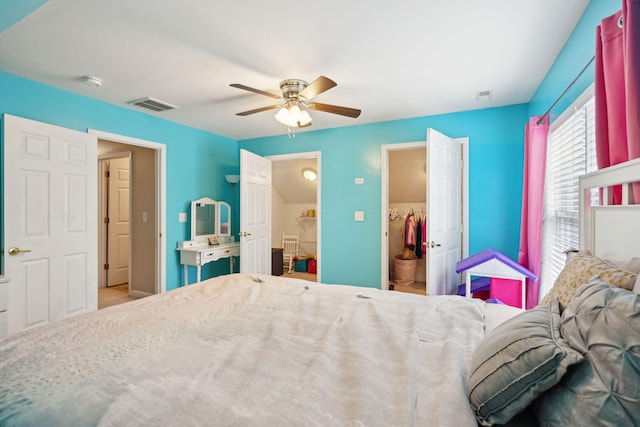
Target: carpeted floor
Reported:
[(300, 275), (414, 288), (113, 295)]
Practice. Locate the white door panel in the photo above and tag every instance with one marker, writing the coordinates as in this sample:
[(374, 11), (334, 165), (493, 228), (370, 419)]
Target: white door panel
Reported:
[(444, 219), (49, 210), (255, 213), (118, 228)]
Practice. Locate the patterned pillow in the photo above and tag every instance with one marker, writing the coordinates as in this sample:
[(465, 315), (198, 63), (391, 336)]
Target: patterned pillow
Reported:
[(602, 323), (583, 267)]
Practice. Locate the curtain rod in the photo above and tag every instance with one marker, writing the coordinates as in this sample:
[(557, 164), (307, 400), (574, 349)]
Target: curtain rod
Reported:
[(541, 119)]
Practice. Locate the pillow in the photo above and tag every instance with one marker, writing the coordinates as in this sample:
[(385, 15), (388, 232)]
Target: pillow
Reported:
[(579, 270), (634, 265), (603, 323), (636, 287), (516, 362)]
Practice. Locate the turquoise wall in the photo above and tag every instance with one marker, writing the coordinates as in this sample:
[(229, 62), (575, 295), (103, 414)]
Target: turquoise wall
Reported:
[(351, 250), (196, 160)]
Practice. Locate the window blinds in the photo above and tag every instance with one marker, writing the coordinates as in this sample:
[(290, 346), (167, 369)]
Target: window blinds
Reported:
[(570, 153)]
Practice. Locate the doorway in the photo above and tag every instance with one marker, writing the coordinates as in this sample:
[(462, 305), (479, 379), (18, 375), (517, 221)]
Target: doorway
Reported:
[(438, 260), (141, 254), (114, 215), (407, 210), (296, 210)]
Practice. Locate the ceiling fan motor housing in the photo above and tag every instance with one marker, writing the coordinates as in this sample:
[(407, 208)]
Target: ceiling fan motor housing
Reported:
[(291, 88)]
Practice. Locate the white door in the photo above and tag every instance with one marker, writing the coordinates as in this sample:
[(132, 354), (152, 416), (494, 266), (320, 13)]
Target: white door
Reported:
[(444, 217), (50, 212), (255, 213), (118, 223)]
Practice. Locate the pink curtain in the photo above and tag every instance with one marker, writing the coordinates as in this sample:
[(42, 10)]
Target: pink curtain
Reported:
[(535, 157), (616, 86)]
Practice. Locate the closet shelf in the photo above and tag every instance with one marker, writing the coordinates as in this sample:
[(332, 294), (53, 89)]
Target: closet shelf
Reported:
[(304, 221)]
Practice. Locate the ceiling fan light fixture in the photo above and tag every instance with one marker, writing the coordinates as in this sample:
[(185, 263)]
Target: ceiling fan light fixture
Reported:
[(291, 115), (305, 118)]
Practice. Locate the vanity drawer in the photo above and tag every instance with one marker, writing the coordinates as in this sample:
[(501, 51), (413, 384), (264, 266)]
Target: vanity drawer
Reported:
[(217, 253)]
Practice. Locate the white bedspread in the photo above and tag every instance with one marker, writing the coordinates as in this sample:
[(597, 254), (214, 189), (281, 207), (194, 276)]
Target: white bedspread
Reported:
[(232, 351)]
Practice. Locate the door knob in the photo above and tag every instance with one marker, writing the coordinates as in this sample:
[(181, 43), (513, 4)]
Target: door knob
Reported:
[(15, 251), (434, 244), (244, 234)]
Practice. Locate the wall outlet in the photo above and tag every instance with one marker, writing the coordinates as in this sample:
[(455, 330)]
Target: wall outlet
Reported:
[(182, 217), (359, 180), (359, 216)]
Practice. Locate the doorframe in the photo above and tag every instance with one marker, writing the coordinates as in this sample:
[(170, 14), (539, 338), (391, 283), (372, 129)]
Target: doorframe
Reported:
[(161, 191), (306, 155), (102, 213), (384, 201)]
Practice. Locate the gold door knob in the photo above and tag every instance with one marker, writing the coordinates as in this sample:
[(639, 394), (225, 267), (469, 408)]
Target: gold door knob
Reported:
[(15, 251), (244, 234)]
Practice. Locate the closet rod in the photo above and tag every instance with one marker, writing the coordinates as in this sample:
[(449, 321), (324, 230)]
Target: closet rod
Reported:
[(541, 119)]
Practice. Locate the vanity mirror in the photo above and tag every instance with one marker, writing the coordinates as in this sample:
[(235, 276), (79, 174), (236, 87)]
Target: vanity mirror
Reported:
[(209, 218)]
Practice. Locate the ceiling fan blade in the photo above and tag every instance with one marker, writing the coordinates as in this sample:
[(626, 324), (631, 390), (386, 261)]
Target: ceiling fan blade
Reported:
[(258, 91), (335, 109), (316, 87), (257, 110)]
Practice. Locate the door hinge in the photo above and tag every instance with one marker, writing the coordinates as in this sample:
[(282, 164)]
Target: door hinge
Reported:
[(106, 174), (106, 220), (106, 266)]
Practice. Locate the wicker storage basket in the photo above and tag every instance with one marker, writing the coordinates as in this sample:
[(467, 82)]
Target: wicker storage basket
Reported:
[(404, 271)]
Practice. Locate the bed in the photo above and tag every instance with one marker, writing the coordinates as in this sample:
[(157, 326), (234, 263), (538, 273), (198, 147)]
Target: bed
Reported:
[(254, 350)]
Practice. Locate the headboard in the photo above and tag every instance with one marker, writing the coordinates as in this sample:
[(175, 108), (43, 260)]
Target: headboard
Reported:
[(610, 231)]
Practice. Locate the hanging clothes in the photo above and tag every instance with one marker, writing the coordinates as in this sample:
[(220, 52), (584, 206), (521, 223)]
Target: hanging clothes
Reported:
[(419, 238), (410, 232), (424, 236)]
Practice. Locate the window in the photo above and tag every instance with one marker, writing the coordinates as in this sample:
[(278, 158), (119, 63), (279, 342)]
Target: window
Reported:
[(571, 152)]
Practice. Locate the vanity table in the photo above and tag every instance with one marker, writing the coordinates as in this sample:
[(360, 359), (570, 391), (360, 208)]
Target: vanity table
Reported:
[(210, 223)]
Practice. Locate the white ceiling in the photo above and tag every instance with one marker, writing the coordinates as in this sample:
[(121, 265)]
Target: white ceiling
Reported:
[(392, 60)]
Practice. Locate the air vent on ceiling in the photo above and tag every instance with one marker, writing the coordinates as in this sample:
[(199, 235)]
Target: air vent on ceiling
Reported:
[(152, 104), (483, 95)]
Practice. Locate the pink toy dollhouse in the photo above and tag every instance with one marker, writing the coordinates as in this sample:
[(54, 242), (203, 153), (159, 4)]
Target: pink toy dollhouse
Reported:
[(507, 277)]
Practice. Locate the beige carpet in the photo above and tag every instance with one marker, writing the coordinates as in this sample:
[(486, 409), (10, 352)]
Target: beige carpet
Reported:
[(414, 288), (113, 296), (300, 275)]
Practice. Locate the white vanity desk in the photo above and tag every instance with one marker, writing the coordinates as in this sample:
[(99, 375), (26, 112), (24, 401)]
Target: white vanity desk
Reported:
[(198, 255), (210, 220)]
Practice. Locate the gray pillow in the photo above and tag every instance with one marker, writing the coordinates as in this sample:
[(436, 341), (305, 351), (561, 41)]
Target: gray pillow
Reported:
[(603, 323), (516, 362)]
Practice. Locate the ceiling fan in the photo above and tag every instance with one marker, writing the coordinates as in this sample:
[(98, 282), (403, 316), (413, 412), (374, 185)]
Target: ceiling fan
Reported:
[(296, 100)]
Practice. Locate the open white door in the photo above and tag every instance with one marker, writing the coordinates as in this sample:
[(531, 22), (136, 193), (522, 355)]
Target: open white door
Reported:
[(444, 218), (118, 223), (255, 213), (50, 212)]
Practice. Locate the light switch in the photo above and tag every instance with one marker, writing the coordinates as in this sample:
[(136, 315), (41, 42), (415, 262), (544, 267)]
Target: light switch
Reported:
[(144, 217), (359, 216), (182, 217)]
